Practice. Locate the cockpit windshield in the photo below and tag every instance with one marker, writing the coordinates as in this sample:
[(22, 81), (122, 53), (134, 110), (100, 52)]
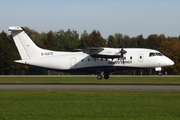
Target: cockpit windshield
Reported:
[(151, 54)]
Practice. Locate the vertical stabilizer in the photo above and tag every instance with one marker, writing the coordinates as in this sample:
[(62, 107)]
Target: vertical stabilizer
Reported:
[(26, 47)]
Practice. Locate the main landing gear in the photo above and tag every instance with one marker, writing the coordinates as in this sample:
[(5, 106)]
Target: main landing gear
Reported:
[(100, 76)]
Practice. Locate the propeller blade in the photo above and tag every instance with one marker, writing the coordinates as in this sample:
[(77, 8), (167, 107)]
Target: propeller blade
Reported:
[(123, 60), (122, 54)]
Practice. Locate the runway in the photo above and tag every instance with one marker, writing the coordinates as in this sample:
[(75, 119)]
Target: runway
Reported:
[(89, 87)]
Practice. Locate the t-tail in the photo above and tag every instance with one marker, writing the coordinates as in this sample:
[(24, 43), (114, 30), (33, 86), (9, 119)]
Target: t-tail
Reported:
[(26, 47)]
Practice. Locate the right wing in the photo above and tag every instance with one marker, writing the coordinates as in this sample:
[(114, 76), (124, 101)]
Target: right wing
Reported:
[(102, 52)]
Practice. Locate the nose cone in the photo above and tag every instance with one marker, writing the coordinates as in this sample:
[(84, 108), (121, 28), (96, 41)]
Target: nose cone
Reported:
[(165, 61), (168, 62)]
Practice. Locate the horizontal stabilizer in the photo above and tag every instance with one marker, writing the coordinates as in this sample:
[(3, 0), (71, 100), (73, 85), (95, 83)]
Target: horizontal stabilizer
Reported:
[(15, 28)]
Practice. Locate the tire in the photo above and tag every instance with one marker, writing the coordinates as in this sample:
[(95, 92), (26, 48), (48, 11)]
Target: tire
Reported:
[(160, 73), (99, 77), (106, 76)]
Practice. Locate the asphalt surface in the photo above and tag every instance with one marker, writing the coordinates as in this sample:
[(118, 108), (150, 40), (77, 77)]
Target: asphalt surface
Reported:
[(101, 87)]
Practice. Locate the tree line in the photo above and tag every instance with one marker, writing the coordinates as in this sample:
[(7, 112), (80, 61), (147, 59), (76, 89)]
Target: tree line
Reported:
[(70, 40)]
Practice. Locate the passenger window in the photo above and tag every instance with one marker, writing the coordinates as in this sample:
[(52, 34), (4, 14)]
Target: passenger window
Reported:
[(82, 60), (131, 57), (140, 57)]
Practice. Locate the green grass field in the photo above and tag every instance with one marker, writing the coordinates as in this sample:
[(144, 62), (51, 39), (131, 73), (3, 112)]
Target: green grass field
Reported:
[(90, 105), (93, 79)]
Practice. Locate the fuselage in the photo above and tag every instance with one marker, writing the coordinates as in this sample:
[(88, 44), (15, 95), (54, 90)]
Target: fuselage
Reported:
[(72, 61)]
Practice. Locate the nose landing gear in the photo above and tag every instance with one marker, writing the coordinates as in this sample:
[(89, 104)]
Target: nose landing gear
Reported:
[(159, 69), (160, 73)]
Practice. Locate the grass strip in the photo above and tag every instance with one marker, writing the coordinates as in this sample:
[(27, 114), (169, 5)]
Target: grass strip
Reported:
[(112, 80), (88, 105)]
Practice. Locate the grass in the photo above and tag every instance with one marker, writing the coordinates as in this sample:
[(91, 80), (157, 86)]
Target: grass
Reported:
[(92, 79), (89, 105)]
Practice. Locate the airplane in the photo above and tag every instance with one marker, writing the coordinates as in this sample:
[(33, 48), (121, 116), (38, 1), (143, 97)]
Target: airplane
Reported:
[(100, 61)]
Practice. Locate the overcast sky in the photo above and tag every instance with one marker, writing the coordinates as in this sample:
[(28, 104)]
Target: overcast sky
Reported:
[(129, 17)]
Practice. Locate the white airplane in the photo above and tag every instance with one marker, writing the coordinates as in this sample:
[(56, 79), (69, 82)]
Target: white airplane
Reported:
[(100, 61)]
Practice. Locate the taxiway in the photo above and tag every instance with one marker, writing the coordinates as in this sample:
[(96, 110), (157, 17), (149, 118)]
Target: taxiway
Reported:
[(105, 87)]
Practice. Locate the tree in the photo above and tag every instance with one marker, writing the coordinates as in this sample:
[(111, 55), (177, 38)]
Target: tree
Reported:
[(119, 39), (95, 39), (122, 40), (154, 41), (83, 40), (50, 41), (127, 41), (111, 42), (7, 53), (171, 48), (140, 42), (68, 40)]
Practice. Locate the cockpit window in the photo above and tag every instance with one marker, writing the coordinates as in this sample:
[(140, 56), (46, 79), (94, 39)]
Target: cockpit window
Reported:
[(159, 54), (151, 54)]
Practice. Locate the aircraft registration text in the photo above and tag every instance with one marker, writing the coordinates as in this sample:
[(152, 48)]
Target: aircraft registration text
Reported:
[(46, 53)]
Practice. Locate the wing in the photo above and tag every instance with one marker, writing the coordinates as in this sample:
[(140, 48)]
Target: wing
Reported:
[(92, 51), (102, 52)]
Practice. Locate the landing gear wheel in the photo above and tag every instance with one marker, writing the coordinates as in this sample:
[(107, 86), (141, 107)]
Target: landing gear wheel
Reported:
[(106, 76), (160, 73), (99, 77)]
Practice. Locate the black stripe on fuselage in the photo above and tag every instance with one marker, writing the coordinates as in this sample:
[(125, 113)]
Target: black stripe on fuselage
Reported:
[(92, 70)]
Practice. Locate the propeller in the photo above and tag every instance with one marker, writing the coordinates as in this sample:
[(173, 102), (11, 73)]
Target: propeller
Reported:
[(122, 54)]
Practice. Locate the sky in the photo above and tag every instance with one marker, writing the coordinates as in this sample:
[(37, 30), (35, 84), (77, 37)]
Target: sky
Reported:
[(128, 17)]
